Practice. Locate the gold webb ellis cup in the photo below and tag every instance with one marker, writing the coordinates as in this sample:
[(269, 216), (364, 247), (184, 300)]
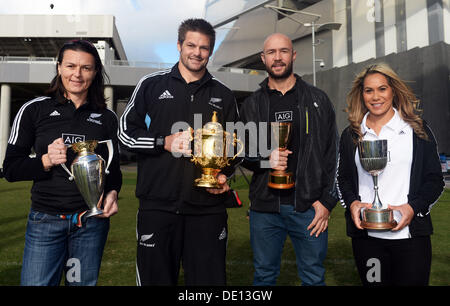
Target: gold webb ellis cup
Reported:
[(88, 171), (280, 179), (373, 158), (211, 144)]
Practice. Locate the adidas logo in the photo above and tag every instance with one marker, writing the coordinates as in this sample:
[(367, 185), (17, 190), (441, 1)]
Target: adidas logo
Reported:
[(55, 113), (165, 95)]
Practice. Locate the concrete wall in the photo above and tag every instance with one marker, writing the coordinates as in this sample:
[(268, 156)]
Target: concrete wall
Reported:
[(446, 17), (42, 73), (427, 71)]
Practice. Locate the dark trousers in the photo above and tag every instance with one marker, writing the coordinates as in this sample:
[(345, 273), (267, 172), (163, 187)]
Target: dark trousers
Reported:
[(198, 242), (384, 262)]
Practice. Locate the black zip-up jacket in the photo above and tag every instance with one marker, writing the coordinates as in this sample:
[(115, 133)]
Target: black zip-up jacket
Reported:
[(317, 159), (159, 103), (37, 124), (425, 187)]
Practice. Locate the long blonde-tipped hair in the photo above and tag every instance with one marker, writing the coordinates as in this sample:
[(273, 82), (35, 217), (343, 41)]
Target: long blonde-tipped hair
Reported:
[(404, 100)]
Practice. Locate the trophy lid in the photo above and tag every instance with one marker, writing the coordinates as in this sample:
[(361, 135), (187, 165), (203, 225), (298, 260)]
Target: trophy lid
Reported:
[(213, 127), (87, 145)]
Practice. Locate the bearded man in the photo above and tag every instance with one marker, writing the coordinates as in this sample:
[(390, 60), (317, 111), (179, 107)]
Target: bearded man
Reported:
[(301, 211)]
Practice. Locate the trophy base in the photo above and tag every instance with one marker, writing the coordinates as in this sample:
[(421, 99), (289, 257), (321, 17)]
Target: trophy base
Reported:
[(281, 180), (375, 219), (93, 212), (207, 181)]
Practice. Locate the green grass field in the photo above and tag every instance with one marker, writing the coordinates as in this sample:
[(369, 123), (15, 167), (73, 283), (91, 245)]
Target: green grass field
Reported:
[(118, 266)]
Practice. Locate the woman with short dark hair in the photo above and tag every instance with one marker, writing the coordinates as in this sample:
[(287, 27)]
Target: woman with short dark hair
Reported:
[(60, 237)]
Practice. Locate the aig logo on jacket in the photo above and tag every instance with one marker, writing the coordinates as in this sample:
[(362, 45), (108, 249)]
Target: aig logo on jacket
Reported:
[(94, 118), (283, 116), (72, 138)]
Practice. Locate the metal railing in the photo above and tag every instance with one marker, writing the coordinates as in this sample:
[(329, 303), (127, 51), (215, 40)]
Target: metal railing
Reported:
[(27, 59), (140, 64), (123, 63)]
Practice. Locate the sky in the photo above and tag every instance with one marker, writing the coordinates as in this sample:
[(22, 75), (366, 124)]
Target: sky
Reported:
[(147, 28)]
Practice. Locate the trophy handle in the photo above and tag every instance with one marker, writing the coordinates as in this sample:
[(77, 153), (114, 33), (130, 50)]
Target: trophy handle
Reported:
[(71, 176), (239, 142), (193, 137), (191, 132), (109, 143)]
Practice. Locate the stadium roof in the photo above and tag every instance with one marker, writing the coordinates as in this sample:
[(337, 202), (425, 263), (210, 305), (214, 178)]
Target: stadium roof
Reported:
[(43, 35)]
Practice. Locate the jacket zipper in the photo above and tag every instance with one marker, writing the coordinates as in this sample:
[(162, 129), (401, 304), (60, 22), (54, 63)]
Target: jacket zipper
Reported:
[(182, 193), (307, 123), (268, 120), (300, 160)]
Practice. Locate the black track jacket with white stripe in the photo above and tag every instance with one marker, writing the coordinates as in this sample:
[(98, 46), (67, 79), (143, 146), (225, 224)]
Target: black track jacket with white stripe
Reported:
[(160, 100), (37, 124)]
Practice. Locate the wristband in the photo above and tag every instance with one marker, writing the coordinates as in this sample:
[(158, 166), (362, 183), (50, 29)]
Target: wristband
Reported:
[(160, 141)]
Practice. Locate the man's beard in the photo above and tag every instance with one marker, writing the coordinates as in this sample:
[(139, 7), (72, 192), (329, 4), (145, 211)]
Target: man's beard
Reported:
[(191, 68), (287, 72)]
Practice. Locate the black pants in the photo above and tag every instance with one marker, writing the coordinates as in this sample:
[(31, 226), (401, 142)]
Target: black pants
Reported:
[(164, 240), (384, 262)]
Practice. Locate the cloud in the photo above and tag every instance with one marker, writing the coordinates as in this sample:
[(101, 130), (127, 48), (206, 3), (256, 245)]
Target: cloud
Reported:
[(147, 28), (157, 25)]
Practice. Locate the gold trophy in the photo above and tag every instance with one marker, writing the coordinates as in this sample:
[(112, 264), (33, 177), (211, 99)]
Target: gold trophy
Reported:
[(280, 179), (373, 158), (211, 144)]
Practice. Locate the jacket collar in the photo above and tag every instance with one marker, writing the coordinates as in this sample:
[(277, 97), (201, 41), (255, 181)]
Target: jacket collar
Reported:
[(304, 96), (175, 72), (396, 124), (64, 102), (265, 83)]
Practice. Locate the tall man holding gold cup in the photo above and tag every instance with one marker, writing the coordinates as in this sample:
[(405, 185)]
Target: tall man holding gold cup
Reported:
[(298, 202), (178, 221)]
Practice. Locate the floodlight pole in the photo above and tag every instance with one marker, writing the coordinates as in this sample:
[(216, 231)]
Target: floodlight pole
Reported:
[(313, 30), (331, 26)]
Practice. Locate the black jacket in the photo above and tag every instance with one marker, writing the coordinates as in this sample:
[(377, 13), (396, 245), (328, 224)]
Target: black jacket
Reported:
[(37, 124), (161, 102), (426, 182), (316, 166)]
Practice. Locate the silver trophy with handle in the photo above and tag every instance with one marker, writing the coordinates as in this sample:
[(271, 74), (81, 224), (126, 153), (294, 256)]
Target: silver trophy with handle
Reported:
[(373, 156), (88, 170)]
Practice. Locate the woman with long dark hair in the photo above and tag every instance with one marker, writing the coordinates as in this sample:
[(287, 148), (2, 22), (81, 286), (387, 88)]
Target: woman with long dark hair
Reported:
[(59, 237), (382, 106)]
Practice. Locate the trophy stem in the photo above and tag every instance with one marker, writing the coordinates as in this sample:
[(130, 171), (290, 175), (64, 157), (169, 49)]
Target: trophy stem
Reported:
[(93, 212), (376, 204)]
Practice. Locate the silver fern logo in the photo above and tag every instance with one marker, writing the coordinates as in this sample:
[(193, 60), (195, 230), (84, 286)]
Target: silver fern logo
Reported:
[(94, 118), (144, 241), (223, 234)]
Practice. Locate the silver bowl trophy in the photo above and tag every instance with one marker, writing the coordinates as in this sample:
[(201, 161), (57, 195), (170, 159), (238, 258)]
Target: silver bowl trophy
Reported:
[(88, 171), (373, 157)]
